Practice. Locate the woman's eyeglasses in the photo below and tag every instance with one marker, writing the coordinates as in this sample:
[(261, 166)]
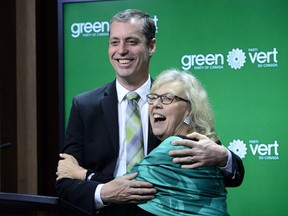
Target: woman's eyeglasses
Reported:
[(166, 99)]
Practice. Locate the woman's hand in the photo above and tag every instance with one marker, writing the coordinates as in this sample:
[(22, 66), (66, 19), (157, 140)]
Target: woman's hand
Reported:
[(68, 167)]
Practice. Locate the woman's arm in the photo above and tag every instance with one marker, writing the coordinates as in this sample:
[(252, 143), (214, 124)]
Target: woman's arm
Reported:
[(68, 167)]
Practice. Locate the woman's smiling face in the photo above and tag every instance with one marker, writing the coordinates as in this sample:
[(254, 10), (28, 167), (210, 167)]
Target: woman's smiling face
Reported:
[(167, 119)]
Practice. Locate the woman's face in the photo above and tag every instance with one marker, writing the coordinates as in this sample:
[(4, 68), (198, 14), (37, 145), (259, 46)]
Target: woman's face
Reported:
[(167, 119)]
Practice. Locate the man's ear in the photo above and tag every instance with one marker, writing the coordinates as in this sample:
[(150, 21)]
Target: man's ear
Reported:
[(152, 47)]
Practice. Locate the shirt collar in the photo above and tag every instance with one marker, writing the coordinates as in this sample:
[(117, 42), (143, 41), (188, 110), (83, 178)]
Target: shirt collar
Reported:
[(142, 90)]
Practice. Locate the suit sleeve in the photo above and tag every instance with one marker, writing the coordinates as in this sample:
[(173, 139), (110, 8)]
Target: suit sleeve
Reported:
[(76, 192), (235, 178)]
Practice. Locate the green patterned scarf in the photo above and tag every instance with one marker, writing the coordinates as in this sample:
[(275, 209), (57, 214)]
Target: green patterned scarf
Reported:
[(181, 191)]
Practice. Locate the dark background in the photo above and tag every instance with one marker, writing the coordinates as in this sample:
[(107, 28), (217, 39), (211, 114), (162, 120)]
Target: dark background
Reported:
[(47, 95)]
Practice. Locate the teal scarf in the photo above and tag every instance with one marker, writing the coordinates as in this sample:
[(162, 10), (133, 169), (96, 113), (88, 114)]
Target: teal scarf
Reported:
[(181, 191)]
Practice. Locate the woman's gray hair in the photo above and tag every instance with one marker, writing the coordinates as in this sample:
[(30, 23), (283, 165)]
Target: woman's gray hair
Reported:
[(148, 24), (201, 115)]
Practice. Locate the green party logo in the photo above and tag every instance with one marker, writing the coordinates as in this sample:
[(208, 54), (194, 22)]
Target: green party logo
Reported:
[(90, 29), (238, 147), (264, 151), (263, 59), (236, 59), (261, 150), (96, 28)]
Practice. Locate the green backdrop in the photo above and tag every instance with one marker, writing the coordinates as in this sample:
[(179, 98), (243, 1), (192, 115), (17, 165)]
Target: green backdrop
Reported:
[(238, 49)]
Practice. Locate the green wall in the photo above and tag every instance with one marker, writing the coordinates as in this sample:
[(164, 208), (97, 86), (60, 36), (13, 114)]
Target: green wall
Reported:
[(238, 49)]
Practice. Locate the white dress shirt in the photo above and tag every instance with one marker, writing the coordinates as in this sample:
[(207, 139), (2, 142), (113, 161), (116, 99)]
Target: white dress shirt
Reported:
[(120, 168)]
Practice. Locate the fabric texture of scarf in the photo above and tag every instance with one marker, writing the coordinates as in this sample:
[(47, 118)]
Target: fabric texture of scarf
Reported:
[(181, 191)]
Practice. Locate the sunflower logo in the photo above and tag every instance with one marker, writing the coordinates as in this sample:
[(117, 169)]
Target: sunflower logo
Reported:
[(238, 147), (236, 58)]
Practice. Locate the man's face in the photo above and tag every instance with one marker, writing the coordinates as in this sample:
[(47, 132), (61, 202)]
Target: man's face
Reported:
[(128, 51)]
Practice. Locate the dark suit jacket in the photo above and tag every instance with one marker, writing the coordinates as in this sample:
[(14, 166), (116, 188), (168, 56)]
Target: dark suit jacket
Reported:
[(92, 137)]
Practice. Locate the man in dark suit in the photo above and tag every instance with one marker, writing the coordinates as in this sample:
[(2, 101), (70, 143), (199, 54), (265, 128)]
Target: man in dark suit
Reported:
[(95, 133)]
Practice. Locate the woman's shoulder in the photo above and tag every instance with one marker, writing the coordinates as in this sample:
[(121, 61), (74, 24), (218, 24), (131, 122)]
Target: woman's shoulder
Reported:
[(175, 137), (167, 143)]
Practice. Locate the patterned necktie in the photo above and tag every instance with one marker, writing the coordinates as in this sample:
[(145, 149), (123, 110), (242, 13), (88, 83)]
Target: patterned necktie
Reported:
[(134, 132)]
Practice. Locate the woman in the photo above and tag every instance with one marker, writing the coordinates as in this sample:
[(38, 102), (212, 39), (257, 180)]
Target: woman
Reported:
[(178, 105)]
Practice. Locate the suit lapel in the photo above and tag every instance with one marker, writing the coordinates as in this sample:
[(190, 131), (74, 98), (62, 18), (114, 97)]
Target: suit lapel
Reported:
[(109, 105)]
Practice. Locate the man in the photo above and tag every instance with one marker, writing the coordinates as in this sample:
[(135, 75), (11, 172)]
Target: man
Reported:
[(95, 133)]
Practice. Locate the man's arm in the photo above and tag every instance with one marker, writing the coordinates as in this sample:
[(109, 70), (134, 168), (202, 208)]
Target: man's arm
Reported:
[(76, 191), (235, 178), (122, 190)]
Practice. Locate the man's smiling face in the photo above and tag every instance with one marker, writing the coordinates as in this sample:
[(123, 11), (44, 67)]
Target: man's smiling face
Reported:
[(128, 51)]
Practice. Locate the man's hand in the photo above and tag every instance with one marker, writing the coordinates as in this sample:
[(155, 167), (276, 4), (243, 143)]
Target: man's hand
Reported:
[(124, 190), (201, 153), (68, 167)]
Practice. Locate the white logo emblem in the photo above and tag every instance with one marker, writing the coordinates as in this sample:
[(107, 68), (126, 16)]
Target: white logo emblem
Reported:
[(236, 58), (238, 147)]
